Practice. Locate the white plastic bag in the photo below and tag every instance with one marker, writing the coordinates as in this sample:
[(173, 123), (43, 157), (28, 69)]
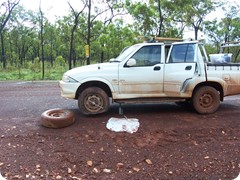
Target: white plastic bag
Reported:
[(1, 177), (123, 125)]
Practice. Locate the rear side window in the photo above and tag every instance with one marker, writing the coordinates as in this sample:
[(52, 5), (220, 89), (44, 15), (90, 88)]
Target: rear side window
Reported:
[(182, 53)]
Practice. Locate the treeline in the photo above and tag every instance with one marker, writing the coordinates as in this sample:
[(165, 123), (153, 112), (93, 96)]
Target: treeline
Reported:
[(29, 39)]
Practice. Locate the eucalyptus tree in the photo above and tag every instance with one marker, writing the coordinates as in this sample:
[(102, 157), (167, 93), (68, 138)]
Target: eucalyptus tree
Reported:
[(230, 25), (115, 38), (21, 34), (104, 10), (226, 29), (192, 12), (6, 9), (143, 15), (63, 31), (41, 26), (50, 37), (214, 33), (153, 17), (76, 15), (230, 22)]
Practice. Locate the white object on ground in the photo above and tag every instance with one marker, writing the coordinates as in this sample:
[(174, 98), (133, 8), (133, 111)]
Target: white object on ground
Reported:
[(1, 177), (238, 177), (123, 125)]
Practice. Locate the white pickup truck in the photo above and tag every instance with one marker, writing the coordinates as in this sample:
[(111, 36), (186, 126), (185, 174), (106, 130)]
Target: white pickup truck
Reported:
[(152, 73)]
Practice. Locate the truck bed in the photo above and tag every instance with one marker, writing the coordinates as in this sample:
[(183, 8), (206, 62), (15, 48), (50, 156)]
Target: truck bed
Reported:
[(223, 66)]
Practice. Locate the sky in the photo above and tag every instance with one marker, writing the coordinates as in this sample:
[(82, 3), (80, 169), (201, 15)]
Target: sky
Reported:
[(58, 8), (51, 8)]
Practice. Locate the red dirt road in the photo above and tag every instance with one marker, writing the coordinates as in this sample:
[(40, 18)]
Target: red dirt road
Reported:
[(172, 142)]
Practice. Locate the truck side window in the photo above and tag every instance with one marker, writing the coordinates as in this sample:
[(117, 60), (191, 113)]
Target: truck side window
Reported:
[(182, 53), (148, 55)]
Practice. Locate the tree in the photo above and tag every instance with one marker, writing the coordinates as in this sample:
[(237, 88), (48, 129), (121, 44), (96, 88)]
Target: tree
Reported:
[(143, 15), (74, 27), (192, 12), (6, 9), (109, 7), (41, 18), (214, 33), (226, 30), (20, 35), (230, 26), (153, 18)]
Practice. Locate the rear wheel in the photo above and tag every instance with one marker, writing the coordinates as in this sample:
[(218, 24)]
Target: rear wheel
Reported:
[(93, 100), (206, 100)]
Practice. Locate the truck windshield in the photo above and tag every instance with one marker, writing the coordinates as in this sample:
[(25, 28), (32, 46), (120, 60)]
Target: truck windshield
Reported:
[(126, 52)]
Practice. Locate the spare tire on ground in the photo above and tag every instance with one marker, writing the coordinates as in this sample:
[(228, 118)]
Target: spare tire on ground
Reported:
[(57, 118)]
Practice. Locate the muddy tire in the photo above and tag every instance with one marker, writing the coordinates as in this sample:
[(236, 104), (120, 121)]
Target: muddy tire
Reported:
[(57, 118), (206, 100), (93, 100)]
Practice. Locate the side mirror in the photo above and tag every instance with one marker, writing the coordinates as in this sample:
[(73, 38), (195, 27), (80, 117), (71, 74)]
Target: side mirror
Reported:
[(131, 62)]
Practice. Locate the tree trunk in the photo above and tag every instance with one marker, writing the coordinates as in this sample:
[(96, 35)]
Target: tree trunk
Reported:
[(89, 29), (161, 19), (51, 52), (71, 48), (196, 32), (42, 42), (3, 58)]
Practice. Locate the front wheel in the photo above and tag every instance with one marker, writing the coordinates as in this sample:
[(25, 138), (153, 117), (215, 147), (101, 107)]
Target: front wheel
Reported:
[(93, 100), (206, 100)]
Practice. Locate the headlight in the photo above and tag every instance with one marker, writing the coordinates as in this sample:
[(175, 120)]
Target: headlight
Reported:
[(66, 78)]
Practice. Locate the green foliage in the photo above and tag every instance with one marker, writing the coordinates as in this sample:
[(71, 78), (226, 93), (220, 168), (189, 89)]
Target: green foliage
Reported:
[(36, 65), (29, 74), (110, 33), (60, 61)]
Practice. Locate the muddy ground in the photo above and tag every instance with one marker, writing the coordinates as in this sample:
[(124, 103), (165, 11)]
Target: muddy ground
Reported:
[(172, 142)]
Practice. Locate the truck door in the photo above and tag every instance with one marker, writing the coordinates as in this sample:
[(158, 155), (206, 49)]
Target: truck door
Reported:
[(145, 78), (180, 66)]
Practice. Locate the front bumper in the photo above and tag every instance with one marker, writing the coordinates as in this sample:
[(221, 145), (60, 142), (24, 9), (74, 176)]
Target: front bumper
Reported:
[(69, 89)]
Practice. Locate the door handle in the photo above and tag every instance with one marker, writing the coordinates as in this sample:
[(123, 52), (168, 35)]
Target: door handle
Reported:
[(157, 68), (188, 68)]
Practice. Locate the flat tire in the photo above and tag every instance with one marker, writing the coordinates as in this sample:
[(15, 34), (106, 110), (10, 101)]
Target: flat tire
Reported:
[(57, 118), (93, 100)]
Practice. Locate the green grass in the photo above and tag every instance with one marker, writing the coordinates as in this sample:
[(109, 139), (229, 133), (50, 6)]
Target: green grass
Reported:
[(32, 73)]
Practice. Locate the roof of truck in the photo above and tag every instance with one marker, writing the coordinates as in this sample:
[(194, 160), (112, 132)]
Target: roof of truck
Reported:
[(166, 40)]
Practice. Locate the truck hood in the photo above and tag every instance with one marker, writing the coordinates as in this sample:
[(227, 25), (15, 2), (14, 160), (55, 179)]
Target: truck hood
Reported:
[(94, 70)]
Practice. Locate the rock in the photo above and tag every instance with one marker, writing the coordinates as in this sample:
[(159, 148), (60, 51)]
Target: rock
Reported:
[(120, 165), (58, 177), (39, 152), (136, 169), (96, 170), (107, 170), (148, 161), (89, 163)]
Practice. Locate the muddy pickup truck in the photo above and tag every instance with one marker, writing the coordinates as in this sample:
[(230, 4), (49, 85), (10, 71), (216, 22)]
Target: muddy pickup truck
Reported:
[(152, 73)]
